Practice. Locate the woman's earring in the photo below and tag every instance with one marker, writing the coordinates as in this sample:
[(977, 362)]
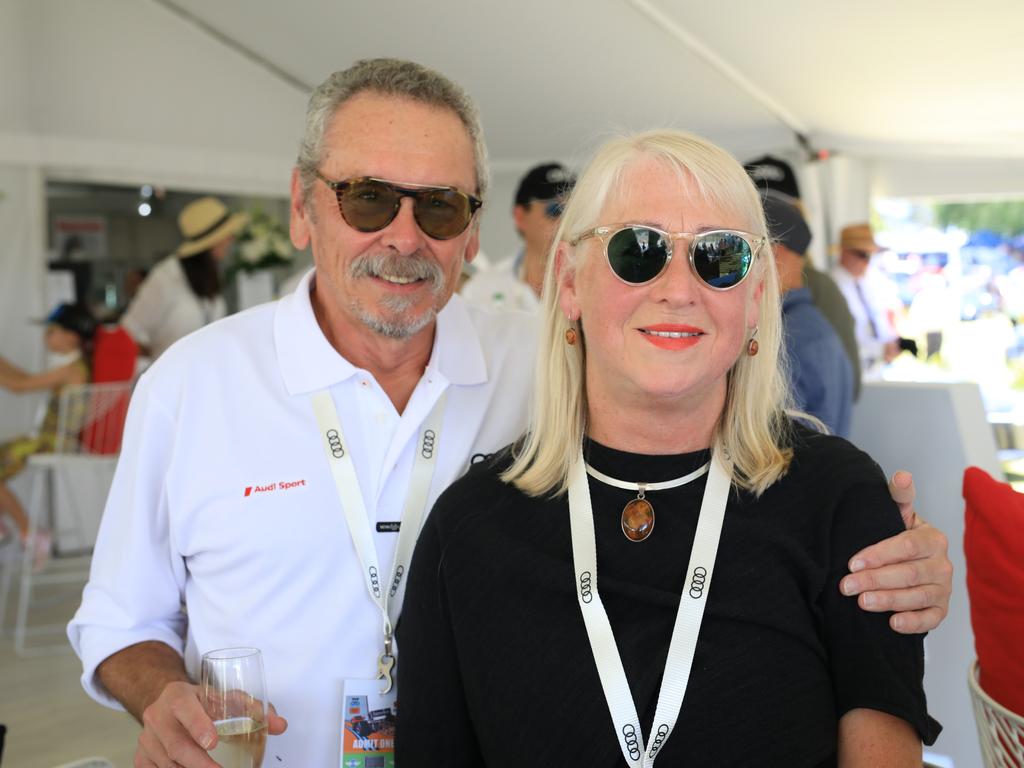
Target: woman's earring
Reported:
[(570, 333), (752, 345)]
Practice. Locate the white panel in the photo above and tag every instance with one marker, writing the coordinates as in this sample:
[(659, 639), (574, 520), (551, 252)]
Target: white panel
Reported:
[(936, 431), (960, 178), (22, 270), (13, 64), (125, 163)]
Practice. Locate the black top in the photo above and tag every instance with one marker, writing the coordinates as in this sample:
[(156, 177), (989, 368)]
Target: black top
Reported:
[(496, 669)]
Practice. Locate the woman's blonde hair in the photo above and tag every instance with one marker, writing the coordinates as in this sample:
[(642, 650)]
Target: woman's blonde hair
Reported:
[(753, 428)]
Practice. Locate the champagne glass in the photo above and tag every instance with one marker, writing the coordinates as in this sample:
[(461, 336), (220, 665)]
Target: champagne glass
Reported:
[(234, 694)]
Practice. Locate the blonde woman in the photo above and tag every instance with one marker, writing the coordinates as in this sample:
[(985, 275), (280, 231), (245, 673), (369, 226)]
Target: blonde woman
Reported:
[(653, 572)]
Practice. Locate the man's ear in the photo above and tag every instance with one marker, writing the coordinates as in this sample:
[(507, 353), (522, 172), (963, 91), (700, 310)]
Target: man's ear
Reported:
[(518, 217), (473, 244), (565, 279), (298, 221), (755, 300)]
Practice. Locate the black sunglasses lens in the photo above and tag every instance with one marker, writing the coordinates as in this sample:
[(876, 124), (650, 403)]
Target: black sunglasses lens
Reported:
[(637, 254), (442, 213), (721, 259), (368, 205)]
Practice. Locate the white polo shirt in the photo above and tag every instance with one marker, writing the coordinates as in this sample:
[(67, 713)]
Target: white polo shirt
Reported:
[(501, 287), (223, 500)]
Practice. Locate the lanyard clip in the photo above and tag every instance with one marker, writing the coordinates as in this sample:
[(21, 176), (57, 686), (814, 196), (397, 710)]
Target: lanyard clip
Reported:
[(386, 661)]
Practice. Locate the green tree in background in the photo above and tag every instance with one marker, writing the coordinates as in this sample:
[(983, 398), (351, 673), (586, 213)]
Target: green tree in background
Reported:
[(1005, 217)]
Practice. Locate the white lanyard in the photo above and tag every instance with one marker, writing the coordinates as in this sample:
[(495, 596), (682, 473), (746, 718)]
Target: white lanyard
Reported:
[(388, 598), (688, 618)]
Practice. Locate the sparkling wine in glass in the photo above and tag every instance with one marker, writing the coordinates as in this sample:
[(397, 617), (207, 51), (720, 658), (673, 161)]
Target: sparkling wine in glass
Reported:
[(234, 692)]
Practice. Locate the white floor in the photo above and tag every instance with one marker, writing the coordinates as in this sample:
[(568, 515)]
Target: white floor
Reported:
[(50, 720)]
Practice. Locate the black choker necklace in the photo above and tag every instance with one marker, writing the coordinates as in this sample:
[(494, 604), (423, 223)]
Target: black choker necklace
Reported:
[(638, 514)]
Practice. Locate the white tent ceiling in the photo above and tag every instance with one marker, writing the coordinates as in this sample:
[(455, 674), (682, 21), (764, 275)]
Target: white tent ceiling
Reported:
[(875, 77), (915, 97)]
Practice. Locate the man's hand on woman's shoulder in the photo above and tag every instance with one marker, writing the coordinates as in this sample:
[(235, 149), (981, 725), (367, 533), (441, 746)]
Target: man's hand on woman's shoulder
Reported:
[(909, 573)]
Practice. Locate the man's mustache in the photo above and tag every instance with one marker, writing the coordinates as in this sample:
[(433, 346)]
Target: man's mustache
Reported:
[(409, 267)]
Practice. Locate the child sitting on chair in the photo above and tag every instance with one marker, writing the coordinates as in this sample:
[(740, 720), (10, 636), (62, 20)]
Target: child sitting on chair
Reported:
[(69, 333)]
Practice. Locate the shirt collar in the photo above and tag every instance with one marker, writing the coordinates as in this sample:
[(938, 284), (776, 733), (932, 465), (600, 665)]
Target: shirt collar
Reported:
[(308, 362), (796, 296)]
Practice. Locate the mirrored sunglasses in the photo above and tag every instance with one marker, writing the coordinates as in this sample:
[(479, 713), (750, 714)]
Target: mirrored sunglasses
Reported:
[(369, 205), (638, 254)]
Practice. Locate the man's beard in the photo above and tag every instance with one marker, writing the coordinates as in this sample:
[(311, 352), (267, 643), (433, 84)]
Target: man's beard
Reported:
[(389, 318)]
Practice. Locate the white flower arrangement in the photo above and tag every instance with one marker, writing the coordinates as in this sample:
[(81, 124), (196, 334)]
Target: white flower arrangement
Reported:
[(263, 243)]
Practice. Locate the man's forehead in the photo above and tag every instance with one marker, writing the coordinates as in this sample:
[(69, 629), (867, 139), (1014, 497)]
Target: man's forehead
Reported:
[(399, 139)]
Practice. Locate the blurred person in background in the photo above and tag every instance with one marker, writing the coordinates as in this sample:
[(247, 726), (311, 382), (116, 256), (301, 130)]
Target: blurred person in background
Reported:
[(773, 175), (183, 292), (877, 339), (515, 283), (69, 333), (820, 374)]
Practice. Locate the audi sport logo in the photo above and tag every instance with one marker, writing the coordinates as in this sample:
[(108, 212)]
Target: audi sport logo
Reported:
[(427, 451), (334, 442), (586, 587), (632, 742), (659, 741), (374, 584), (397, 580), (700, 575)]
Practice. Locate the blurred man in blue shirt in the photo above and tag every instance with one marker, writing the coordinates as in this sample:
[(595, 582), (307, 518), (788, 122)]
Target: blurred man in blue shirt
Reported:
[(820, 372)]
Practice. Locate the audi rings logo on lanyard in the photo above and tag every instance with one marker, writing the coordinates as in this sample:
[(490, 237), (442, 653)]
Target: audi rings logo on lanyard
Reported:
[(586, 590), (358, 517), (689, 616), (334, 441), (632, 740), (399, 571), (659, 740), (427, 451), (700, 575)]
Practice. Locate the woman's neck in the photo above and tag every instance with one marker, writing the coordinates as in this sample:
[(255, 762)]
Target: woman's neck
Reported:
[(652, 426)]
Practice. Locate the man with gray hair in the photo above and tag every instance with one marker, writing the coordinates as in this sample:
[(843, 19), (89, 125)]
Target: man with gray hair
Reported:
[(277, 465)]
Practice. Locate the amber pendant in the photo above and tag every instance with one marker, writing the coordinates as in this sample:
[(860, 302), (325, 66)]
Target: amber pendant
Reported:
[(638, 519)]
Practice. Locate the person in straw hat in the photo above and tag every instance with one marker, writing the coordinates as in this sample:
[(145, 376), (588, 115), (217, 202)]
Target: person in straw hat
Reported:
[(876, 338), (182, 293)]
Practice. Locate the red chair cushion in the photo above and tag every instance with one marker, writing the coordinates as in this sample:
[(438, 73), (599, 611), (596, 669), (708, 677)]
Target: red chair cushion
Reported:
[(994, 549)]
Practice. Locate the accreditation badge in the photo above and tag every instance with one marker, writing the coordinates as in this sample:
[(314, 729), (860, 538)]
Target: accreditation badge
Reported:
[(368, 725)]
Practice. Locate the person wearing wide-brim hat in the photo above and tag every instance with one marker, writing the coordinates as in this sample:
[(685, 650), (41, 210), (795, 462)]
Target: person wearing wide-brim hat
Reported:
[(182, 293)]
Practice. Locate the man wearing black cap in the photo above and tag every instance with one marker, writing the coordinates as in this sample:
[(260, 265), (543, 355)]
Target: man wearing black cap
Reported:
[(820, 371), (516, 283), (774, 176)]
